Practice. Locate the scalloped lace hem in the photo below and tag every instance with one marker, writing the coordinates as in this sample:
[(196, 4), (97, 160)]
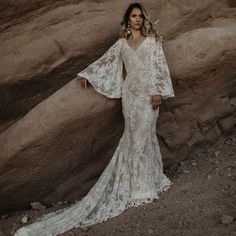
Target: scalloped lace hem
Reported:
[(149, 198)]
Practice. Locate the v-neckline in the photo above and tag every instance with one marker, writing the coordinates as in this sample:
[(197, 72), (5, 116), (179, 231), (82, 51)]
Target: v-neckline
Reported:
[(139, 46)]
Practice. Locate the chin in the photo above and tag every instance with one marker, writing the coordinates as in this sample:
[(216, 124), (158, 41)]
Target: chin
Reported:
[(137, 27)]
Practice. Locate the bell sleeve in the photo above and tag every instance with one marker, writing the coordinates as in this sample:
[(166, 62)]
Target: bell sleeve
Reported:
[(105, 74), (159, 72)]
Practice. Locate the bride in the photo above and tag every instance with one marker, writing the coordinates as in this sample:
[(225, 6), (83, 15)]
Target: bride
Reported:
[(134, 175)]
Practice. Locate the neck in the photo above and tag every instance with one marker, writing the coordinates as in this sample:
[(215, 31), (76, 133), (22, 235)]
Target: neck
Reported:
[(136, 33)]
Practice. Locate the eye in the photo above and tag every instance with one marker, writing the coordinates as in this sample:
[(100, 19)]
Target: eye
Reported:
[(134, 15)]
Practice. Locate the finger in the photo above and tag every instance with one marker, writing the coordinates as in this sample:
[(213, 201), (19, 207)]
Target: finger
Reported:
[(154, 99), (156, 103), (82, 82), (154, 106)]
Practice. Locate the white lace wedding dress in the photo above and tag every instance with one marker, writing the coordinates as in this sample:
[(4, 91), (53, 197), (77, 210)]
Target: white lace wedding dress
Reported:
[(134, 175)]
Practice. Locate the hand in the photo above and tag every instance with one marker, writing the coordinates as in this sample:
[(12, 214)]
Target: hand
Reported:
[(84, 82), (155, 101)]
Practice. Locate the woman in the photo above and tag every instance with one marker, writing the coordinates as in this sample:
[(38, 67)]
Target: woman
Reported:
[(134, 175)]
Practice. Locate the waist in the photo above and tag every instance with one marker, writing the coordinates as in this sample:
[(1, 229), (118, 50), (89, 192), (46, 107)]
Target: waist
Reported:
[(136, 86)]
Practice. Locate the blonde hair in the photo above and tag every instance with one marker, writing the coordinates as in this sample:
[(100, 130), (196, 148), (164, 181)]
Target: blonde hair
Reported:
[(147, 27)]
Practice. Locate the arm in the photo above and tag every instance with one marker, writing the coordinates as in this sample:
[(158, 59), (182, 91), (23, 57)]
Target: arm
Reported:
[(159, 72), (105, 74), (155, 101)]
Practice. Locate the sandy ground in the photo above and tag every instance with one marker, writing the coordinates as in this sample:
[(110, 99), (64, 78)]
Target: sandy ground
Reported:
[(201, 201)]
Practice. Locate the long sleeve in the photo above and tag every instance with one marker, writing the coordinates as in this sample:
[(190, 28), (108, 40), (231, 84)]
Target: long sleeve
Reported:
[(105, 74), (159, 72)]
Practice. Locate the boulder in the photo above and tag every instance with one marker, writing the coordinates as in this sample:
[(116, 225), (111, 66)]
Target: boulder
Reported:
[(58, 149), (44, 44), (56, 137)]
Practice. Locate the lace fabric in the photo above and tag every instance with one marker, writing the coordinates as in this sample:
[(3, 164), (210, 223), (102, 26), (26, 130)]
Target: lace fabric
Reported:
[(159, 72), (134, 176), (105, 74)]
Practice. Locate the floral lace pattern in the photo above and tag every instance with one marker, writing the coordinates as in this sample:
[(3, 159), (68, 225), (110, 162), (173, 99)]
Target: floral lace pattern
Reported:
[(159, 72), (105, 74), (134, 175)]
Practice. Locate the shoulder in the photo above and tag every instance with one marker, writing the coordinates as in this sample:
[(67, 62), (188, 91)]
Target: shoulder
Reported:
[(155, 44), (151, 38), (119, 42), (154, 41), (116, 45)]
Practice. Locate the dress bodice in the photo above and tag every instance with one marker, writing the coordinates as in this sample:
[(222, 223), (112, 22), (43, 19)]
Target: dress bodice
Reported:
[(136, 62), (146, 68)]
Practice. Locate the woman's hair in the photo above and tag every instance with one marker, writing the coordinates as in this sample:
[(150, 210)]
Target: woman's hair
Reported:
[(147, 27)]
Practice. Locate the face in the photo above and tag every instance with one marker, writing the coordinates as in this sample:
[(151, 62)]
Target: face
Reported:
[(136, 19)]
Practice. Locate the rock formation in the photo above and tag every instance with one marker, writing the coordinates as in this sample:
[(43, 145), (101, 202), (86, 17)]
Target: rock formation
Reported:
[(55, 137)]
